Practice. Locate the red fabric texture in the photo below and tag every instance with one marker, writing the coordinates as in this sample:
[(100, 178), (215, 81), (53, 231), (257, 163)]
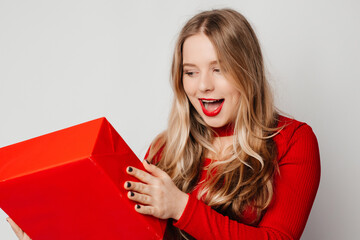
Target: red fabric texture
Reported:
[(294, 193)]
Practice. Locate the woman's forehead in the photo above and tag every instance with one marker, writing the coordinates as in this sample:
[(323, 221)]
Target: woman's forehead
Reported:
[(198, 49)]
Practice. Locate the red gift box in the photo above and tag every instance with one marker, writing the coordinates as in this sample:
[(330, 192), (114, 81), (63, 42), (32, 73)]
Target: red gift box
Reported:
[(69, 184)]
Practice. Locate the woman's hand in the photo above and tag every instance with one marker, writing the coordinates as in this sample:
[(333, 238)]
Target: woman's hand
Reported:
[(19, 233), (156, 194)]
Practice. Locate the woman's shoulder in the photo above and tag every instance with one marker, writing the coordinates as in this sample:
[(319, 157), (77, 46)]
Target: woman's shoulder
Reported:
[(294, 135), (290, 127)]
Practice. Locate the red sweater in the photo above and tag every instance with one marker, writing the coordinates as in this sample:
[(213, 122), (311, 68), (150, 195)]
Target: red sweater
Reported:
[(294, 193)]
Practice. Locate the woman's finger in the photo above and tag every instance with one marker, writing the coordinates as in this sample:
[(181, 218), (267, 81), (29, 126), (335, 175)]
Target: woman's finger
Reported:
[(140, 198), (154, 170), (141, 175), (138, 187), (26, 237), (19, 233), (146, 210)]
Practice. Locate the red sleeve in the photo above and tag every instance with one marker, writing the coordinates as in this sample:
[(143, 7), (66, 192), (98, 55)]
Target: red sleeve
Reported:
[(157, 156), (147, 153), (294, 193)]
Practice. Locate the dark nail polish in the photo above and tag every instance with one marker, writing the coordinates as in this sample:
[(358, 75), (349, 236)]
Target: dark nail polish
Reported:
[(132, 194), (148, 162), (130, 169), (128, 184), (138, 206)]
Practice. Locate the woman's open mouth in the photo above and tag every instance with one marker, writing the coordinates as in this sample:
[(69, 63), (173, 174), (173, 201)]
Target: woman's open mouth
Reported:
[(211, 107)]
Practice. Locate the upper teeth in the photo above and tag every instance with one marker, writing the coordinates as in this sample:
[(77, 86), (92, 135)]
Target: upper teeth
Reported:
[(209, 101)]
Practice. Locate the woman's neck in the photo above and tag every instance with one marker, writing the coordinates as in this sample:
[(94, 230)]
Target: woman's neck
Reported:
[(221, 146), (222, 141)]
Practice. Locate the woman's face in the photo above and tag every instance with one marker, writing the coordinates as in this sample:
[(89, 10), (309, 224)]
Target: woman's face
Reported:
[(213, 96)]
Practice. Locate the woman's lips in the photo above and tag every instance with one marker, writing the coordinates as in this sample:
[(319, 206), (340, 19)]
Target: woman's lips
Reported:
[(211, 107)]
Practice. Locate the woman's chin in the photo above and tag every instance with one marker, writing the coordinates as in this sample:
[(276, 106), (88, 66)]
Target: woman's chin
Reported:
[(216, 123)]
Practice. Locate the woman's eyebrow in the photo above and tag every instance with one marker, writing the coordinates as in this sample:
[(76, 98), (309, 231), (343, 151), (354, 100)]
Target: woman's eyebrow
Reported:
[(188, 65), (214, 62)]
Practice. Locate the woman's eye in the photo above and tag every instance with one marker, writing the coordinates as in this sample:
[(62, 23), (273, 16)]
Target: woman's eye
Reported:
[(217, 70), (189, 73)]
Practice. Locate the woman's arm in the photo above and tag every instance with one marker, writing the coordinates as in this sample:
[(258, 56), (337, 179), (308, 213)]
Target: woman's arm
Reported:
[(294, 193)]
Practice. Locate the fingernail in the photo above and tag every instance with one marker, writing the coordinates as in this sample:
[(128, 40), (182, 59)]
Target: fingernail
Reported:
[(128, 184), (147, 162), (132, 194), (138, 206), (130, 169)]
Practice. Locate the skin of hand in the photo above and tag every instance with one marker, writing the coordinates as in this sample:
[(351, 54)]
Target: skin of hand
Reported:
[(19, 233), (156, 194)]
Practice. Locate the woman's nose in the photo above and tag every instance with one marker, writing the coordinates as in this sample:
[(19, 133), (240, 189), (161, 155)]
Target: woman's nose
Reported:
[(206, 82)]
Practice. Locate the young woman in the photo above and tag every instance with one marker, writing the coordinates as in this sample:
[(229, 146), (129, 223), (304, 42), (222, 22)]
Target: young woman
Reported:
[(228, 166)]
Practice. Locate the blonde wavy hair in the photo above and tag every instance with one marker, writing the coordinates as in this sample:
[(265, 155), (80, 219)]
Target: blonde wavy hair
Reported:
[(243, 177)]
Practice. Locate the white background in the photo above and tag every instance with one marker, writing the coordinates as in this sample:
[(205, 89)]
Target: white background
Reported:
[(67, 62)]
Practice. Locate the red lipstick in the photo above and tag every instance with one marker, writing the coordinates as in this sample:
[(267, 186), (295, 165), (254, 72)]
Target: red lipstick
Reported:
[(211, 107)]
